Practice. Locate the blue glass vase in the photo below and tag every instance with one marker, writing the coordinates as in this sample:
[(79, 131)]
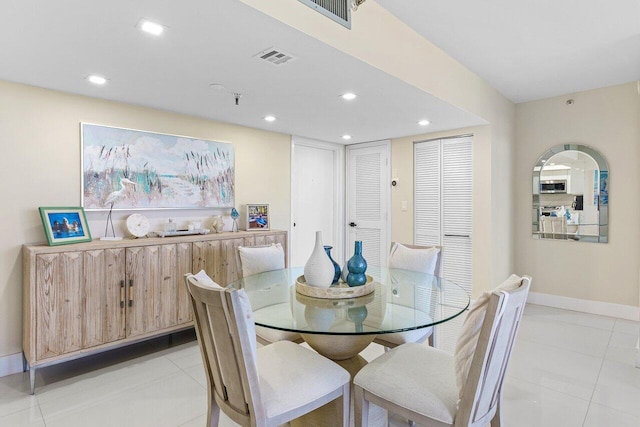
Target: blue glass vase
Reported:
[(357, 266), (357, 316), (336, 267)]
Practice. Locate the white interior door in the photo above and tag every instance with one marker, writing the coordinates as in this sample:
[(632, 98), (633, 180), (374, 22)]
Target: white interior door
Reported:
[(368, 204), (317, 194)]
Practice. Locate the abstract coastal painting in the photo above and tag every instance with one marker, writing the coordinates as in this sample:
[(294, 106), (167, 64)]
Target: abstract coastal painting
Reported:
[(133, 169)]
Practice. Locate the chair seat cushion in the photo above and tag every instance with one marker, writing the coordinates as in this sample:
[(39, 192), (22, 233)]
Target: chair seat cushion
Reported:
[(292, 376), (416, 377)]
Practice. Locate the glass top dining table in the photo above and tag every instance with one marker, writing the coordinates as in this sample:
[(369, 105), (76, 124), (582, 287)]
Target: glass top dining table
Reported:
[(401, 301)]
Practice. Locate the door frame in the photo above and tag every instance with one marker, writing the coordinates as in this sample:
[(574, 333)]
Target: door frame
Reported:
[(386, 145), (339, 192)]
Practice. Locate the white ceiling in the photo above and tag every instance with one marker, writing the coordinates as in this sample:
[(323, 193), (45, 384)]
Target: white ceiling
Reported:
[(530, 50), (57, 44)]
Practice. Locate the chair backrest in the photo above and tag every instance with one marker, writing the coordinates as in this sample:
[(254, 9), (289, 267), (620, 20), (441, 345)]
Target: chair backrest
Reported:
[(483, 387), (258, 259), (227, 351), (438, 269), (552, 225)]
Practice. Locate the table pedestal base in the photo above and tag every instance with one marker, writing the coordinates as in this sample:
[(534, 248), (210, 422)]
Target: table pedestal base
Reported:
[(336, 347)]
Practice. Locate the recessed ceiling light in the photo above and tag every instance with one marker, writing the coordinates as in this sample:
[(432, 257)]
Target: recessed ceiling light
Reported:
[(217, 86), (150, 27), (424, 122), (270, 118), (96, 80), (349, 96), (347, 137)]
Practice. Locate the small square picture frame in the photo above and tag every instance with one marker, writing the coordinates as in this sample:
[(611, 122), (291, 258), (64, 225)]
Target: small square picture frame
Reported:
[(258, 218), (65, 225)]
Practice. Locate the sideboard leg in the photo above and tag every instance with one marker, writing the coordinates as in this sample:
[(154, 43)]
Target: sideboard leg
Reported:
[(32, 379)]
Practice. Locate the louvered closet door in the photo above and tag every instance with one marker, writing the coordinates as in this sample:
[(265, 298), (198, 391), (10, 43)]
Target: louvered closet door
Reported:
[(457, 212), (427, 201), (368, 202), (443, 200)]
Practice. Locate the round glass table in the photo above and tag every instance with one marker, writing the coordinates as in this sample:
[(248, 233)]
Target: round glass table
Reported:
[(341, 328)]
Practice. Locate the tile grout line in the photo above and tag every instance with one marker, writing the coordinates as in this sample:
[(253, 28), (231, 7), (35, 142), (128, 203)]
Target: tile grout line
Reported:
[(549, 388), (41, 414), (566, 349), (598, 377), (185, 372)]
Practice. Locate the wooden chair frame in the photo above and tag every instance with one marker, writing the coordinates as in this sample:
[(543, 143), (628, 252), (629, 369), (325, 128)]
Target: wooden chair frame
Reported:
[(231, 370), (288, 336), (482, 393)]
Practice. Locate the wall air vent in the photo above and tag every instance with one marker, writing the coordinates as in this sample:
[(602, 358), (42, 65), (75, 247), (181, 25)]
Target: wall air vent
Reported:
[(273, 56), (338, 10)]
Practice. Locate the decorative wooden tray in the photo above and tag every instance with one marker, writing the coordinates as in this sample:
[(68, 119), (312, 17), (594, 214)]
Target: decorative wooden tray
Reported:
[(334, 303), (339, 291)]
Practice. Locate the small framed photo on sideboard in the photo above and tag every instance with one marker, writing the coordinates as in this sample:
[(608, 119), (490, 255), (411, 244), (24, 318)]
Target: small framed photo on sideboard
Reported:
[(64, 225), (258, 217)]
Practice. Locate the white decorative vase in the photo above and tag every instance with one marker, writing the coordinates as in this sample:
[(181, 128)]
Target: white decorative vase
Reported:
[(319, 271)]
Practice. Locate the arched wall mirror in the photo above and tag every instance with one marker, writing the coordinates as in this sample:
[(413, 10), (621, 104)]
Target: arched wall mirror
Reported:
[(571, 195)]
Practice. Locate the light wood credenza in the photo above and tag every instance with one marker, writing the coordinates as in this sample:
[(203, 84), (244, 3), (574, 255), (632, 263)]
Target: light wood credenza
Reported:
[(85, 298)]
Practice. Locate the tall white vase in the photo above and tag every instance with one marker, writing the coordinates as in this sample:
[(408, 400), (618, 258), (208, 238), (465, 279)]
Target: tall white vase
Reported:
[(319, 271)]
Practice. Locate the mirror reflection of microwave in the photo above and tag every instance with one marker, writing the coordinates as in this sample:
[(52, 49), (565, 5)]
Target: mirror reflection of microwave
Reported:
[(553, 186)]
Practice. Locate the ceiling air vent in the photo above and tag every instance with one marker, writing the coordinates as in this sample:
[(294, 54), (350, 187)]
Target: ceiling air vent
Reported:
[(338, 10), (274, 56)]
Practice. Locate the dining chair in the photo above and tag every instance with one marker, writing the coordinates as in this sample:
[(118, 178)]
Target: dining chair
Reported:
[(554, 226), (422, 259), (257, 387), (435, 388), (259, 259)]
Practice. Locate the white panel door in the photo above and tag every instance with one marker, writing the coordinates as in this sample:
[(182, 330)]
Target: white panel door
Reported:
[(315, 198), (368, 182)]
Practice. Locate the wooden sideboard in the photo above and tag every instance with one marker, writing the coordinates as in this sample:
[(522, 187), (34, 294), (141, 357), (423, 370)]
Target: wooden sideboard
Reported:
[(85, 298)]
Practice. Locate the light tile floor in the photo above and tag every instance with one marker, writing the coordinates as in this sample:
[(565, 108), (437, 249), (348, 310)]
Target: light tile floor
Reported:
[(568, 369)]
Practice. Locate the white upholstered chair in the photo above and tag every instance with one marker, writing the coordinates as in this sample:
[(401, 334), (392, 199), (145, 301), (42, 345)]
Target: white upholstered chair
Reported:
[(258, 259), (423, 259), (432, 387), (261, 387)]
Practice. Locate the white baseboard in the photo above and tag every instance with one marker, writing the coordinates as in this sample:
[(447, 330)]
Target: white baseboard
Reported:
[(10, 364), (601, 308)]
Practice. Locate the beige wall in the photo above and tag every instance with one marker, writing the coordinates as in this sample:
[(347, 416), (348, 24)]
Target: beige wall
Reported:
[(608, 120), (40, 166)]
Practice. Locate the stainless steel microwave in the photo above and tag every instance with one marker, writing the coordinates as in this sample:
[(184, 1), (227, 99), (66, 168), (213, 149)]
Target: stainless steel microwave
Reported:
[(553, 186)]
